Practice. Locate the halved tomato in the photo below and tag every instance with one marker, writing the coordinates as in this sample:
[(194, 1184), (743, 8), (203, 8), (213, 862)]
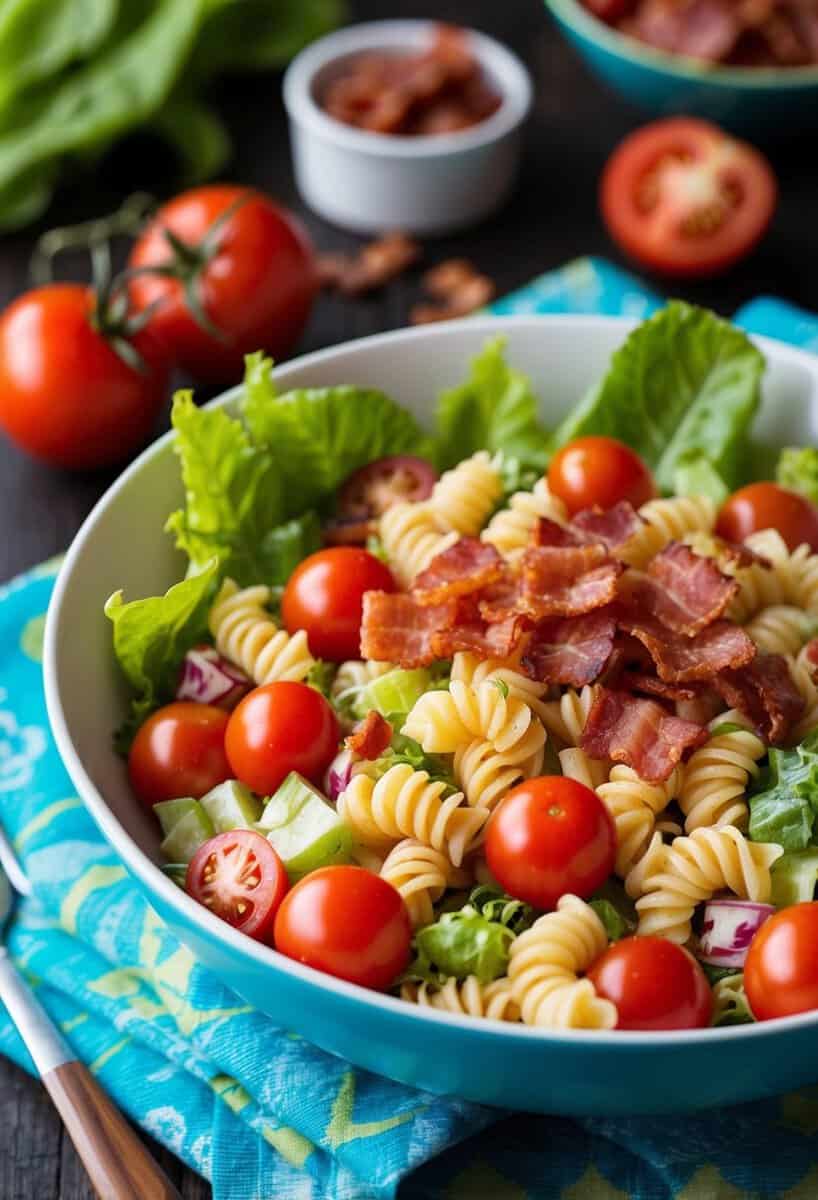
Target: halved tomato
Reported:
[(372, 489), (683, 198), (240, 878)]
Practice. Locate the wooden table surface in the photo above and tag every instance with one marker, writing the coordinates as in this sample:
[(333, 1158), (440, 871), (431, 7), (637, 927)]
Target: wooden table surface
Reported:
[(552, 218)]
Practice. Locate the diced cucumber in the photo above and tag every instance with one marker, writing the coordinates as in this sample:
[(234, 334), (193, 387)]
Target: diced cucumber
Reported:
[(395, 692), (188, 834), (170, 812), (303, 828), (231, 805)]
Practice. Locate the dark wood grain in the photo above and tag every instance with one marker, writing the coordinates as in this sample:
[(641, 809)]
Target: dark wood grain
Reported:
[(551, 219)]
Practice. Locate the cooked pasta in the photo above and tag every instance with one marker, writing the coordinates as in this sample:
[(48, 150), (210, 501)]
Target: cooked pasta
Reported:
[(779, 629), (442, 721), (576, 764), (633, 804), (545, 963), (761, 586), (728, 997), (564, 719), (510, 528), (246, 634), (717, 774), (464, 496), (470, 997), (805, 572), (693, 869), (421, 875), (468, 668), (353, 675), (805, 678), (485, 774), (412, 534), (666, 521), (407, 803)]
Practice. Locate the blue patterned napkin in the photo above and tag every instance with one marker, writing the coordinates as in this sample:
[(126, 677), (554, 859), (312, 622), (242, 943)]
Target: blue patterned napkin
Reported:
[(260, 1112)]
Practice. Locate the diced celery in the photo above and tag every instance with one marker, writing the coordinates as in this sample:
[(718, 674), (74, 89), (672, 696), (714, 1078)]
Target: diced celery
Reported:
[(187, 835), (170, 812), (395, 692), (794, 877), (231, 805), (303, 828)]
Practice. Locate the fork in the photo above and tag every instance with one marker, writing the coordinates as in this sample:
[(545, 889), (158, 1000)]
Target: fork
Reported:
[(118, 1164)]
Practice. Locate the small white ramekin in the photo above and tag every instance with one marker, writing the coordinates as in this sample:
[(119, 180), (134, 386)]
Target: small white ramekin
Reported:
[(374, 182)]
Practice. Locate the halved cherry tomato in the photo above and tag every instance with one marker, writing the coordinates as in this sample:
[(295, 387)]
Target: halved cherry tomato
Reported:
[(240, 878), (347, 922), (769, 506), (549, 836), (324, 596), (599, 470), (781, 968), (179, 751), (279, 728), (372, 489), (654, 984), (684, 199), (253, 277)]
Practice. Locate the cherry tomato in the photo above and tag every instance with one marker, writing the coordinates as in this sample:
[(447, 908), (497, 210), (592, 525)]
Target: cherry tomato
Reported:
[(324, 596), (179, 751), (66, 395), (599, 470), (610, 11), (769, 506), (549, 836), (684, 199), (240, 878), (347, 922), (370, 490), (781, 968), (253, 275), (654, 984), (279, 728)]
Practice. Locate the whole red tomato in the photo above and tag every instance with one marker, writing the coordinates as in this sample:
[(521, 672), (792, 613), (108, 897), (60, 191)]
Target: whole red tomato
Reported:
[(599, 471), (66, 395), (549, 836), (279, 728), (654, 984), (179, 751), (781, 968), (324, 596), (769, 506), (237, 274), (347, 922)]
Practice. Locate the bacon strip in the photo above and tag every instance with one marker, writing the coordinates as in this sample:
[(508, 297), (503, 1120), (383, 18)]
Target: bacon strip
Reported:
[(636, 681), (567, 580), (371, 737), (764, 691), (683, 590), (570, 650), (395, 628), (613, 527), (680, 659), (467, 566), (488, 640), (640, 733)]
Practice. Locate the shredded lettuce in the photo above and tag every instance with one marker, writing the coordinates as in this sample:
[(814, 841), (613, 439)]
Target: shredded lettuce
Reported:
[(794, 877), (406, 750), (460, 944), (797, 468), (784, 806), (684, 383), (492, 903), (495, 410), (615, 910)]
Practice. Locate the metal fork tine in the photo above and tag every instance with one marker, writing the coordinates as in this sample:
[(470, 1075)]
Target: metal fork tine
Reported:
[(13, 867)]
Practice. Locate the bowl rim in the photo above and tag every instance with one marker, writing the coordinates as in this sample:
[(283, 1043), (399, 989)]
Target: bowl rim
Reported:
[(206, 923), (575, 15), (507, 70)]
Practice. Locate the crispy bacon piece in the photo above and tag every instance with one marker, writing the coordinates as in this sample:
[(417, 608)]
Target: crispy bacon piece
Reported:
[(549, 533), (497, 639), (611, 526), (395, 628), (680, 659), (764, 691), (651, 685), (567, 581), (683, 590), (640, 733), (501, 599), (375, 265), (466, 567), (371, 737), (570, 650), (473, 292)]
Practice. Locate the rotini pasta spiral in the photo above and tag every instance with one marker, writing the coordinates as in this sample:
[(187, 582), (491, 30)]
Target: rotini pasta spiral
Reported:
[(633, 804), (470, 997), (407, 803), (693, 869), (245, 633), (564, 719), (717, 774), (353, 675), (779, 629), (464, 496), (421, 875), (805, 677), (468, 668), (667, 521), (510, 528), (485, 774), (576, 764), (544, 965), (761, 586), (412, 534), (443, 720), (804, 566)]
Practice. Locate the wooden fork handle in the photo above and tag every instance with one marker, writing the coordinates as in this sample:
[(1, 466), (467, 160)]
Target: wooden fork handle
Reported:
[(118, 1164)]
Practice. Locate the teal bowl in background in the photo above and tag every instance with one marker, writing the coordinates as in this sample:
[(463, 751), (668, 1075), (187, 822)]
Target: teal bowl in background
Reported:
[(764, 104)]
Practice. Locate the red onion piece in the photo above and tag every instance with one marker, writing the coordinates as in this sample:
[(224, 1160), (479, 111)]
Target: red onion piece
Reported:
[(727, 930), (208, 678), (339, 773)]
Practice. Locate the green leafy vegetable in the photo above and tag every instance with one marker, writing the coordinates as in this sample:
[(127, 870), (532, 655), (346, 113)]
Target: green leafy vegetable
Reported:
[(736, 1010), (492, 903), (320, 676), (407, 751), (496, 410), (615, 909), (695, 475), (685, 383), (460, 944), (794, 877), (716, 974), (798, 469), (393, 694), (152, 636), (784, 806)]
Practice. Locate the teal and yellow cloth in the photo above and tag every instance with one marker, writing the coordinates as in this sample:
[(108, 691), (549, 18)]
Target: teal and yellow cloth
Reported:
[(256, 1109)]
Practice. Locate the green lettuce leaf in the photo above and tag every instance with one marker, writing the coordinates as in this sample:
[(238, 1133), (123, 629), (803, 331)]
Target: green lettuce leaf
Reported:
[(684, 383), (152, 636), (798, 469), (695, 475), (407, 751), (615, 909), (496, 410), (784, 806), (492, 903), (794, 877), (460, 944)]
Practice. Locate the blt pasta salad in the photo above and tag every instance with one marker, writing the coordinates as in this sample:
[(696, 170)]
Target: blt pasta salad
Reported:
[(515, 723)]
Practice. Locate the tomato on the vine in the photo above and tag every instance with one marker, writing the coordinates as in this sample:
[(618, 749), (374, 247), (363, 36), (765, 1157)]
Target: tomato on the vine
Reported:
[(229, 272), (781, 968), (769, 506), (239, 877), (279, 728), (654, 984), (599, 471), (548, 836), (324, 596), (179, 751), (347, 922)]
